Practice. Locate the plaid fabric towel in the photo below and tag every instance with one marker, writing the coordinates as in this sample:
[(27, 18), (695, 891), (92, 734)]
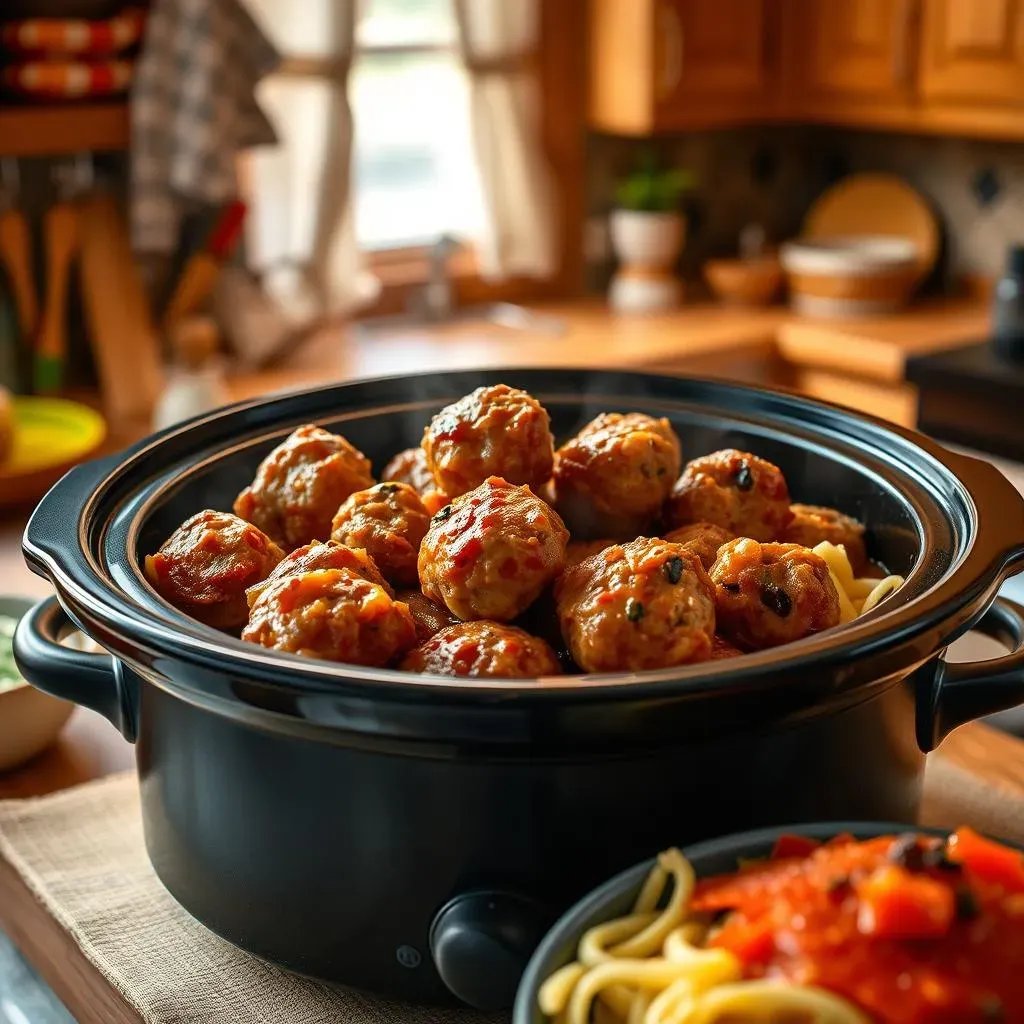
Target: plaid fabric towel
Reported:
[(193, 109)]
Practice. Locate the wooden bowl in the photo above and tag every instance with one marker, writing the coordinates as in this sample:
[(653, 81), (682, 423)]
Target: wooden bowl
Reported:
[(739, 282), (850, 276)]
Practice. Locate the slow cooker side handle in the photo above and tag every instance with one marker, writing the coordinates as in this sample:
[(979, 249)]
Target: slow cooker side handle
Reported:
[(962, 692), (96, 681)]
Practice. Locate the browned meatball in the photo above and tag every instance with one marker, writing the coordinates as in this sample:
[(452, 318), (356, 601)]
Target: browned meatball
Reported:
[(613, 477), (331, 614), (300, 484), (323, 555), (735, 490), (483, 648), (490, 553), (577, 550), (722, 649), (387, 520), (435, 500), (428, 617), (703, 539), (642, 605), (772, 594), (410, 467), (205, 566), (811, 524), (495, 431)]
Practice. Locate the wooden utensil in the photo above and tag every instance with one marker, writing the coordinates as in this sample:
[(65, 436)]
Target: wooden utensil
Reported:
[(201, 272), (124, 342), (16, 253), (61, 235)]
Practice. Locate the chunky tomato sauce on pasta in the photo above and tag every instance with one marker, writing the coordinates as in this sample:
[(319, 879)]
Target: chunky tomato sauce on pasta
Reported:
[(912, 930)]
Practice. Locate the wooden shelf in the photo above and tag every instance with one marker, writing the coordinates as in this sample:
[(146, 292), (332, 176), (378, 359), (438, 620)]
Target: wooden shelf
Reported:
[(64, 129)]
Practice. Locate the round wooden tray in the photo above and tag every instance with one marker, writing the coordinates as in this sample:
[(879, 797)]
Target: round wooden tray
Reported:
[(876, 204)]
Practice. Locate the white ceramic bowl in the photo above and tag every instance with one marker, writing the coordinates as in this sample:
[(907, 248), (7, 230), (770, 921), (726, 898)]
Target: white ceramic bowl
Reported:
[(853, 276), (29, 719)]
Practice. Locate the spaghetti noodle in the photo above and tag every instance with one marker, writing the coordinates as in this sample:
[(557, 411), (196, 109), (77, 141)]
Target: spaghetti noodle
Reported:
[(653, 968), (857, 595)]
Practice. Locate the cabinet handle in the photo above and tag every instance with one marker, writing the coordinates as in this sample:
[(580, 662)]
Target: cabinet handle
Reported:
[(902, 59), (669, 27)]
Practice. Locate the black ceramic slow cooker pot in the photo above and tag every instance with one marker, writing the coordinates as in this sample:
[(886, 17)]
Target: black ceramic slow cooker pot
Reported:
[(413, 835)]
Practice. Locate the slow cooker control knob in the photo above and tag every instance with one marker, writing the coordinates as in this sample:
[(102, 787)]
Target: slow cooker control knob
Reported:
[(481, 943)]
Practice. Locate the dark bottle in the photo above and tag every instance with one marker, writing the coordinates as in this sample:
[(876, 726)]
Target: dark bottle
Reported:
[(1008, 308)]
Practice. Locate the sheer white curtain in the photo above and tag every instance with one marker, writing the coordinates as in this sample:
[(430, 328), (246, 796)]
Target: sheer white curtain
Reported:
[(301, 236), (499, 44)]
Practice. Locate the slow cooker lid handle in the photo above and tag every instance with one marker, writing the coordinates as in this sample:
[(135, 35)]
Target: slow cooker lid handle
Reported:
[(481, 943), (962, 692)]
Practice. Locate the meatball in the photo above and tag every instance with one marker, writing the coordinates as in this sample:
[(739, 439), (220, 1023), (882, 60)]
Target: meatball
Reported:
[(490, 553), (735, 490), (721, 649), (429, 618), (434, 501), (703, 539), (387, 520), (811, 524), (642, 605), (495, 431), (323, 555), (300, 484), (483, 648), (613, 477), (772, 594), (577, 550), (205, 566), (332, 614), (410, 467)]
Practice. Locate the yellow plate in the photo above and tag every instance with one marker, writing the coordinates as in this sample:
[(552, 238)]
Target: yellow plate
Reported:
[(50, 436)]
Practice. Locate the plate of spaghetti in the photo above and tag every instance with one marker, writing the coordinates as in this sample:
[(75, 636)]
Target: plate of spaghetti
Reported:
[(820, 924)]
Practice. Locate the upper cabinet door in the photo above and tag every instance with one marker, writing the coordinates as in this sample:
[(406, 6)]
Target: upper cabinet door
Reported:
[(973, 51), (860, 50), (709, 49), (662, 65)]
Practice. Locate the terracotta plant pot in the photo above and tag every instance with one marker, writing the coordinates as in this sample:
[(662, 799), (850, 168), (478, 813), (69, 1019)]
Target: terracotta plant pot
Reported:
[(647, 246)]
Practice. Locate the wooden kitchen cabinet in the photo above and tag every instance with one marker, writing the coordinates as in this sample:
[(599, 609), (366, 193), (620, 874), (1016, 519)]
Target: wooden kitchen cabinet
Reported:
[(849, 61), (663, 65), (972, 61)]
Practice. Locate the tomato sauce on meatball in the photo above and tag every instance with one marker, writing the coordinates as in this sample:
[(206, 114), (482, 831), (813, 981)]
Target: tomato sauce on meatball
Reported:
[(643, 605), (410, 467), (300, 484), (389, 521), (703, 539), (483, 649), (772, 594), (577, 550), (812, 524), (740, 492), (490, 553), (322, 555), (722, 649), (331, 614), (205, 566), (495, 431), (613, 477), (427, 616)]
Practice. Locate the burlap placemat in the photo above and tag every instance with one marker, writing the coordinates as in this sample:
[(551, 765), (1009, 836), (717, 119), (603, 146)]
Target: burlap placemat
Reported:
[(81, 852)]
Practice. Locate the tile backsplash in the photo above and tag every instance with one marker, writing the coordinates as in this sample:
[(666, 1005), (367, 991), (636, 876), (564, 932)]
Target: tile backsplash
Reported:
[(770, 175)]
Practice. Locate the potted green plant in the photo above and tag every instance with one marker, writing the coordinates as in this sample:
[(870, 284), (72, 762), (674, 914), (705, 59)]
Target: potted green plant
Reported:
[(647, 232)]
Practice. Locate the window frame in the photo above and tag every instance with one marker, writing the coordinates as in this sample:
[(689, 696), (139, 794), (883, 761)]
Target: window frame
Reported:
[(560, 64)]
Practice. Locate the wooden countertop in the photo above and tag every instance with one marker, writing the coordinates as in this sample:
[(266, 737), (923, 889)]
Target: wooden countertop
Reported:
[(702, 337)]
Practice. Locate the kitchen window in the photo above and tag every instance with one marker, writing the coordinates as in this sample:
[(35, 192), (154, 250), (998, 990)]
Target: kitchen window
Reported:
[(338, 197)]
